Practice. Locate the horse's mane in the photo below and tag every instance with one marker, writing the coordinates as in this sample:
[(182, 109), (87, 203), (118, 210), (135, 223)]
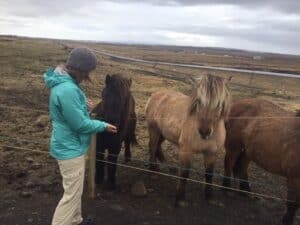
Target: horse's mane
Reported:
[(211, 93)]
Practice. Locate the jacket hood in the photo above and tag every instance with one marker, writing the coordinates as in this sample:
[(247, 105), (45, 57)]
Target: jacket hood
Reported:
[(53, 77)]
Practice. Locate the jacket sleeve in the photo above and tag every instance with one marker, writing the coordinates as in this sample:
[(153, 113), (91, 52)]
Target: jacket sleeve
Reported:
[(74, 113)]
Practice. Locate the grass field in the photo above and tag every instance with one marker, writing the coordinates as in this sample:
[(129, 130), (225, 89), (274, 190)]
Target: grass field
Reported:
[(24, 116)]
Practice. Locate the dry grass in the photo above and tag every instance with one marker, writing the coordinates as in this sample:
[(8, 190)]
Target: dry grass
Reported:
[(23, 62)]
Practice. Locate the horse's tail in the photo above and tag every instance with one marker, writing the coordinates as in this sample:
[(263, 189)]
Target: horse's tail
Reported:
[(133, 140)]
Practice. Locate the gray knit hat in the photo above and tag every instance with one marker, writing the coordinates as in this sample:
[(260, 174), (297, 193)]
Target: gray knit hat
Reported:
[(82, 59)]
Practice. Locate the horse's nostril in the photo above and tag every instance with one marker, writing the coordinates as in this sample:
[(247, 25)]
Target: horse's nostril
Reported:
[(205, 134)]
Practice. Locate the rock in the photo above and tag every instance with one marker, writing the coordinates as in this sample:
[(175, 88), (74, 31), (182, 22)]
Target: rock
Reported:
[(116, 207), (139, 189), (30, 184), (30, 220), (183, 204), (29, 159), (150, 190), (46, 185), (42, 121), (26, 194), (36, 166), (21, 174), (216, 203)]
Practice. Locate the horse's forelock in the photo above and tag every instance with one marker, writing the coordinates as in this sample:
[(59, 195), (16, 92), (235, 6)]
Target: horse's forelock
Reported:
[(211, 94), (120, 85)]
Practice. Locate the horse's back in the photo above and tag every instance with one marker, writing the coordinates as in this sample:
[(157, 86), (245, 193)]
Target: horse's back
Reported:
[(161, 100), (254, 107), (246, 113), (258, 126), (166, 112)]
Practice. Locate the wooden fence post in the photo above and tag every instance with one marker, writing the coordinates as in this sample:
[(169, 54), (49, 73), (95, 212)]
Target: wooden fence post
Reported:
[(91, 167)]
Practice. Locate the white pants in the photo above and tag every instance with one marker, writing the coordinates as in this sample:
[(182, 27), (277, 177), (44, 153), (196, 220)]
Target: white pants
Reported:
[(68, 210)]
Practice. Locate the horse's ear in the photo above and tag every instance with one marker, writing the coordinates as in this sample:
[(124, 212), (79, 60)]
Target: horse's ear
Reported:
[(192, 80), (107, 79), (229, 79)]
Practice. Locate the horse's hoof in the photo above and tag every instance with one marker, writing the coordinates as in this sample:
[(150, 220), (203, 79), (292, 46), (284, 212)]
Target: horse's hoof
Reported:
[(154, 167), (127, 160)]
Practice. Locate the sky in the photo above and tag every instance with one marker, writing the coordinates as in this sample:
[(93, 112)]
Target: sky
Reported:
[(257, 25)]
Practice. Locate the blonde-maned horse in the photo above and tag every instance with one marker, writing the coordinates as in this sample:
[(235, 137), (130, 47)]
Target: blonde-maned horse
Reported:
[(194, 123), (262, 132)]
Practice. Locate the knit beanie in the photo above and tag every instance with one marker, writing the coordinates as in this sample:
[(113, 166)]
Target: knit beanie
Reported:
[(82, 59)]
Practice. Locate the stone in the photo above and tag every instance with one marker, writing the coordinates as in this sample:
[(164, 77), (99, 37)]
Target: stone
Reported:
[(42, 121), (21, 174), (139, 189), (116, 207), (150, 190), (46, 185), (36, 166), (30, 184), (29, 159), (26, 194)]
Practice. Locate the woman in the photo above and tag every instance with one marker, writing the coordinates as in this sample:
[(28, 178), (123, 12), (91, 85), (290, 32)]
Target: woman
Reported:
[(71, 130)]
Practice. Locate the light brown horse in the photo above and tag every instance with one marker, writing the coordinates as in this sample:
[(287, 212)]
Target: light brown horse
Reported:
[(194, 123), (260, 131)]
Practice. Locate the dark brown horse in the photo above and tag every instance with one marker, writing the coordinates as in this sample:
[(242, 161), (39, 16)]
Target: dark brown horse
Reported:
[(118, 108), (260, 131), (194, 123)]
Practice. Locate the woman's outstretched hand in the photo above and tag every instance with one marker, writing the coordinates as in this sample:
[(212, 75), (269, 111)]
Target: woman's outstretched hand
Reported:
[(111, 128)]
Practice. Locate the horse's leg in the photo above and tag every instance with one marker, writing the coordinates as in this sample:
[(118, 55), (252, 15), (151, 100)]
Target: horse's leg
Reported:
[(112, 166), (242, 166), (154, 137), (230, 159), (127, 150), (291, 206), (131, 137), (159, 153), (185, 165), (99, 176), (209, 162)]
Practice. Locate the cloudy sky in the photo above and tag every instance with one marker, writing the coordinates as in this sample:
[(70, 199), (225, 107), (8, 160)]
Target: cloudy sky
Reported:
[(271, 25)]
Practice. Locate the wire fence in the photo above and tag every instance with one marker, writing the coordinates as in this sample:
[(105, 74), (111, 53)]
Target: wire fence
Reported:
[(146, 162), (163, 174), (142, 115)]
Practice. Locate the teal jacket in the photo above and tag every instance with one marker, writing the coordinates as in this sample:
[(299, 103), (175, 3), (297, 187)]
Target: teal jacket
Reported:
[(71, 124)]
